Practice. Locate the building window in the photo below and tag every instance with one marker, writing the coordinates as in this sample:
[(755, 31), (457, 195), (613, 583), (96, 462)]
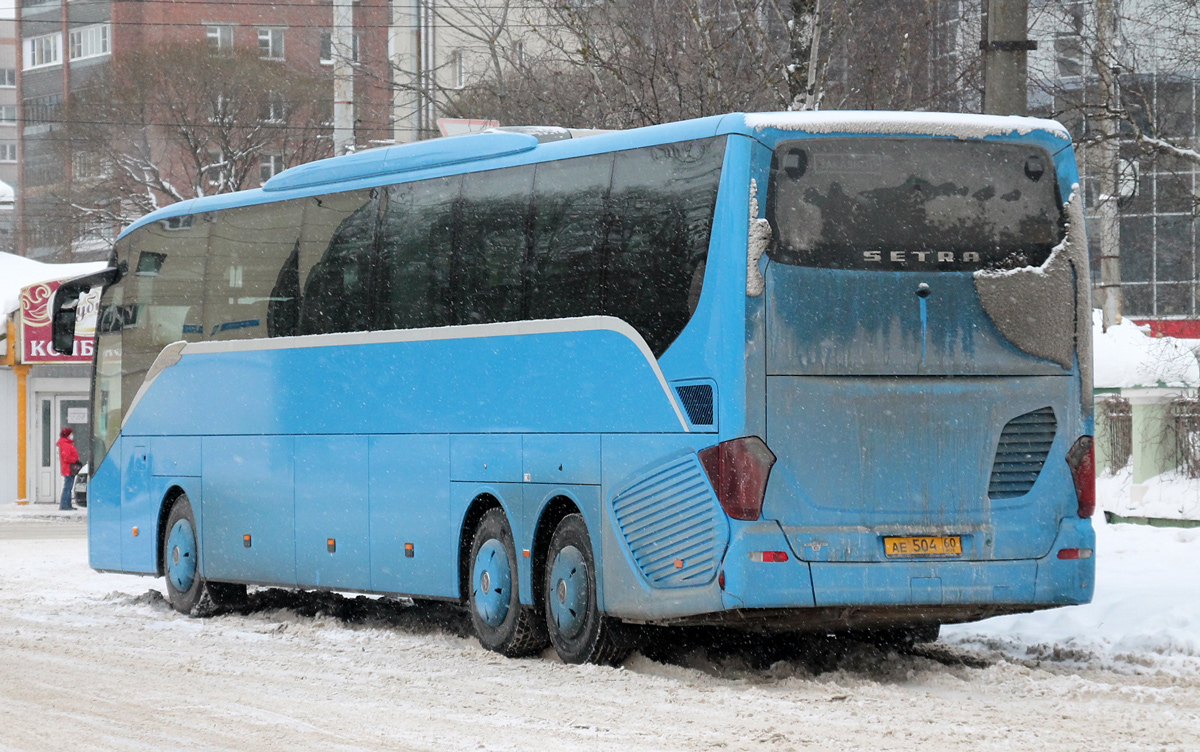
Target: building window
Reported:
[(8, 114), (43, 50), (274, 108), (270, 44), (8, 151), (219, 37), (272, 165), (8, 77), (327, 48), (91, 41), (458, 71)]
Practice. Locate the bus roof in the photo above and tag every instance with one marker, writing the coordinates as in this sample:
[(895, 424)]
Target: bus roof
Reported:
[(484, 151)]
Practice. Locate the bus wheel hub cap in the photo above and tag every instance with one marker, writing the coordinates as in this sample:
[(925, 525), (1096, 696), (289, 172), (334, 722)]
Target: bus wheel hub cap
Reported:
[(485, 582)]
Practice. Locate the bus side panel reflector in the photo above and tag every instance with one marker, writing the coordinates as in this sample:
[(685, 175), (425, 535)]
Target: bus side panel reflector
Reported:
[(246, 540)]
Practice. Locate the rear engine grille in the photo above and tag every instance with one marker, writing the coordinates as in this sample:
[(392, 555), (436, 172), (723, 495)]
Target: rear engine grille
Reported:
[(1024, 444), (673, 524)]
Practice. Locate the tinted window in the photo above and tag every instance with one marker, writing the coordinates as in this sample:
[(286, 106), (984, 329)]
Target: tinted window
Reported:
[(570, 257), (892, 203), (416, 249), (662, 199), (489, 269), (622, 234), (337, 290), (247, 248)]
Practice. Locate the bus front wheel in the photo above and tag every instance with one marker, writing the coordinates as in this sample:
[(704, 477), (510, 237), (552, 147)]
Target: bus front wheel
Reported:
[(501, 623), (187, 591), (578, 631)]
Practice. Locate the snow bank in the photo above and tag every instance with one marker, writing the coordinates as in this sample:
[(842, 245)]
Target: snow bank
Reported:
[(913, 123), (17, 272), (1125, 356), (1170, 496), (1146, 612)]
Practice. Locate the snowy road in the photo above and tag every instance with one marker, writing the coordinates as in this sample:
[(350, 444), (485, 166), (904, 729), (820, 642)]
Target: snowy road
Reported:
[(98, 661)]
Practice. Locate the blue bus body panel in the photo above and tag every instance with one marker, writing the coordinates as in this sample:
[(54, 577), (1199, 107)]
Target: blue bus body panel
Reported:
[(248, 489), (410, 503), (104, 511), (585, 382), (331, 505)]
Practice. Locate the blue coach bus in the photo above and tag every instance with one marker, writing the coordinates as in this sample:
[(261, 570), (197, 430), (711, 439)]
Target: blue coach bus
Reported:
[(780, 372)]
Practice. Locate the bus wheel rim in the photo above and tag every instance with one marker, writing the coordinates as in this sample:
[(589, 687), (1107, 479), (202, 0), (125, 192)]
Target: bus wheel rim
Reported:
[(181, 556), (569, 591), (491, 580)]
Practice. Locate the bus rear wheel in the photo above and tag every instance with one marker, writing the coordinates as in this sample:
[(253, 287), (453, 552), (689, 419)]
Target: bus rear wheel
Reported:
[(501, 623), (578, 631), (187, 591)]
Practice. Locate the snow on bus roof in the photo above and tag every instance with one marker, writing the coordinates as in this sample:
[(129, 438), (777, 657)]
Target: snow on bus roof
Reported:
[(958, 125)]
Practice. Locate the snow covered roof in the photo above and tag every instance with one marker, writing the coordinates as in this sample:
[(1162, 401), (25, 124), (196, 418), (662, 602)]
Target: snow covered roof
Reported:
[(1126, 356), (958, 125), (17, 272)]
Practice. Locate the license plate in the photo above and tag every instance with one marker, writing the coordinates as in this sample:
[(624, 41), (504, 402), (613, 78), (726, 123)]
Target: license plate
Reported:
[(923, 545)]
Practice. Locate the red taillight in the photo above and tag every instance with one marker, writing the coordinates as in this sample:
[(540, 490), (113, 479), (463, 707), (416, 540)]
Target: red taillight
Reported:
[(1075, 553), (769, 556), (1082, 461), (738, 470)]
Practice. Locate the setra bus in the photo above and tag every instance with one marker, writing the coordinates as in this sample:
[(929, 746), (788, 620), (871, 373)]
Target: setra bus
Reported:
[(780, 372)]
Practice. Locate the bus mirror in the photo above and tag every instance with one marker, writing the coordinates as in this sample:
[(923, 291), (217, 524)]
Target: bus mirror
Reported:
[(65, 303), (63, 338)]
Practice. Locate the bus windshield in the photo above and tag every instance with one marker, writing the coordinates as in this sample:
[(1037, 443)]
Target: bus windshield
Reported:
[(919, 204)]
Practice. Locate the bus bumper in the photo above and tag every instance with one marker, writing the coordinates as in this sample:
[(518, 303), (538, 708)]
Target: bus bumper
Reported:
[(1007, 585)]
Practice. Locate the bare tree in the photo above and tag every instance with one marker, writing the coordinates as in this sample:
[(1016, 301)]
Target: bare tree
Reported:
[(1124, 77), (183, 122), (620, 64)]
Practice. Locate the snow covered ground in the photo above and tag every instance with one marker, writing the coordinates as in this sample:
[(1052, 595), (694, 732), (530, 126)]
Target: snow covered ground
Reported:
[(98, 661)]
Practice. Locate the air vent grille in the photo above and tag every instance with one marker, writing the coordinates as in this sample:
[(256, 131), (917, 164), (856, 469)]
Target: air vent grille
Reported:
[(673, 524), (697, 401), (1024, 444)]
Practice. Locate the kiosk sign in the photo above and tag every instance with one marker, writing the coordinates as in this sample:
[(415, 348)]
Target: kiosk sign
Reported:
[(36, 330)]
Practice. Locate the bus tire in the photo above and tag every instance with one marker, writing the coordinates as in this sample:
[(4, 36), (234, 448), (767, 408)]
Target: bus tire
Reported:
[(577, 629), (187, 592), (500, 621)]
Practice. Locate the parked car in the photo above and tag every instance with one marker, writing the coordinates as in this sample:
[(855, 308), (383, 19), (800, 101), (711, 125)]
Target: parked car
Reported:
[(81, 484)]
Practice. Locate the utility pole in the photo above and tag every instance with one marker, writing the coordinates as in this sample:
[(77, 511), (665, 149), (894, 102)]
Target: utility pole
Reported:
[(1107, 155), (1005, 46), (342, 42)]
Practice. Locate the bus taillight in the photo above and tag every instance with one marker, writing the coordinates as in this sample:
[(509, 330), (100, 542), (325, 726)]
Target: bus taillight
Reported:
[(738, 470), (1082, 461)]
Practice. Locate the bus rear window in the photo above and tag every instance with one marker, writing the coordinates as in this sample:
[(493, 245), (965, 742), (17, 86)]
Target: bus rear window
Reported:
[(913, 204)]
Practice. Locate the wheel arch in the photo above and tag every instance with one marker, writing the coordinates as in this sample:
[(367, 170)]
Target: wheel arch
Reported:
[(172, 495), (478, 507), (552, 513)]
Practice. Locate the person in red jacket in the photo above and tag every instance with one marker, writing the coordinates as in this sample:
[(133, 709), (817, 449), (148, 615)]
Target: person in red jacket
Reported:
[(68, 459)]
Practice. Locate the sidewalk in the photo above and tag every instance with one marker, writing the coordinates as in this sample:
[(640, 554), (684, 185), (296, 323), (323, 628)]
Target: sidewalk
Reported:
[(13, 512)]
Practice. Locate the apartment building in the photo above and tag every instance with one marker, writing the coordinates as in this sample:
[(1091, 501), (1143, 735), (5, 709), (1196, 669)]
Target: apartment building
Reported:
[(64, 43)]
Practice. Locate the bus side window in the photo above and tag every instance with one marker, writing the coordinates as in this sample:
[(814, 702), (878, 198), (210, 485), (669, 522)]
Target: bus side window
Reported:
[(663, 198), (570, 227), (337, 291), (416, 252), (246, 248), (491, 248)]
